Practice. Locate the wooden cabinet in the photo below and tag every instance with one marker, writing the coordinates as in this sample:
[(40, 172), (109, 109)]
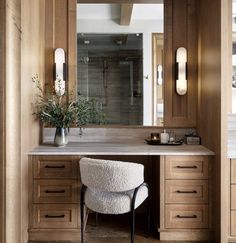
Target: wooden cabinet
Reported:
[(233, 198), (184, 198), (54, 186)]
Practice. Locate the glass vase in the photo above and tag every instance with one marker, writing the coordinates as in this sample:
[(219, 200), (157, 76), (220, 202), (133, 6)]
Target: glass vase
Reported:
[(61, 136)]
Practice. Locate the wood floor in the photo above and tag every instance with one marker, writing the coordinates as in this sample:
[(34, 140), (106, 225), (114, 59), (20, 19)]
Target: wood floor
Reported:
[(112, 229)]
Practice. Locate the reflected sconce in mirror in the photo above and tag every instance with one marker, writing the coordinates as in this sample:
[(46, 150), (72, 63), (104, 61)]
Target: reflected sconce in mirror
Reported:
[(159, 74), (181, 71), (60, 71)]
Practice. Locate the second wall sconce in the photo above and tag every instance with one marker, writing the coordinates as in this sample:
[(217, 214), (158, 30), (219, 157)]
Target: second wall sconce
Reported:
[(159, 74), (60, 71), (181, 71)]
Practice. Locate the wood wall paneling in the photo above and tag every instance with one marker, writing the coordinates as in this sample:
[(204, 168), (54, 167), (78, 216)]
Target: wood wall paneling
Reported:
[(180, 31), (60, 32), (12, 128), (210, 98), (2, 118), (226, 99), (32, 62)]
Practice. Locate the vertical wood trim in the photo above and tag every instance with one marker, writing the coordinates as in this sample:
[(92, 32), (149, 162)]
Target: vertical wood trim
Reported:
[(72, 49), (180, 30), (13, 116), (2, 119), (210, 96), (226, 98)]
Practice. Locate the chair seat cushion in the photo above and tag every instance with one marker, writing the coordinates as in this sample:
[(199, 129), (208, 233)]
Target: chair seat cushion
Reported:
[(113, 202)]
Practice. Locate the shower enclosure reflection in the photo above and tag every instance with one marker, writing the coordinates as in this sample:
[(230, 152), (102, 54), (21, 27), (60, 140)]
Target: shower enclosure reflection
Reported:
[(110, 71), (120, 61)]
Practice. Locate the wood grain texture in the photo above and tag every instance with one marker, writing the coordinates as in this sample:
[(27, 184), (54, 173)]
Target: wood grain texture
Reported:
[(12, 128), (184, 215), (213, 82), (226, 99), (32, 62), (126, 13), (2, 117), (180, 31), (60, 32)]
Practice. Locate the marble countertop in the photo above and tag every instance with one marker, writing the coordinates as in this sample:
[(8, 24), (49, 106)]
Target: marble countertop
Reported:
[(119, 148)]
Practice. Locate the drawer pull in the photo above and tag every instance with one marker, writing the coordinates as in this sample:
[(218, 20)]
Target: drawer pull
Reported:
[(54, 216), (55, 166), (50, 191), (186, 167), (178, 191), (187, 217)]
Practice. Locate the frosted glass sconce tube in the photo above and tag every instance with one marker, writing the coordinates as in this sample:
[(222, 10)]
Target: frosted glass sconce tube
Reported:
[(181, 71), (159, 74), (60, 71)]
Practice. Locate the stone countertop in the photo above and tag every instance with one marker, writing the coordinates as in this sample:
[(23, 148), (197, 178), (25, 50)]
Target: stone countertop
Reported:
[(119, 148)]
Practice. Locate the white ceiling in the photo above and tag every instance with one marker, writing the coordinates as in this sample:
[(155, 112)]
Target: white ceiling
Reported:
[(112, 11)]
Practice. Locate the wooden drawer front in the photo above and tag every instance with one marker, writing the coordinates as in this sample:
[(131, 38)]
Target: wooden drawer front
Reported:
[(186, 191), (56, 191), (233, 223), (186, 167), (186, 216), (53, 216), (233, 171), (233, 197), (51, 167)]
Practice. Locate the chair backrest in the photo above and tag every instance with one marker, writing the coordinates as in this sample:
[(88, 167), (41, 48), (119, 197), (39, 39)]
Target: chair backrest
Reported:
[(110, 175)]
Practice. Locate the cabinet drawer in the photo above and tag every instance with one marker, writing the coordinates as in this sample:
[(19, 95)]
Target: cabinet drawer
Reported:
[(233, 197), (233, 223), (186, 216), (55, 216), (186, 167), (56, 191), (186, 191), (54, 167), (233, 171)]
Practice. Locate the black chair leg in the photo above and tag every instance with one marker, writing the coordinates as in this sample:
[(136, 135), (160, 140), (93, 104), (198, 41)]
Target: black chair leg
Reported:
[(82, 212), (96, 218), (149, 219), (132, 225)]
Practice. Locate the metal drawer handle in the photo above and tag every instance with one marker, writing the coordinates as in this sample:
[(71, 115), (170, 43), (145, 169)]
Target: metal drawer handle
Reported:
[(54, 216), (186, 167), (55, 166), (51, 191), (178, 191), (187, 217)]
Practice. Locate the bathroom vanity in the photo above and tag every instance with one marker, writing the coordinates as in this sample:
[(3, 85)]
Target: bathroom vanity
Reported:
[(179, 176)]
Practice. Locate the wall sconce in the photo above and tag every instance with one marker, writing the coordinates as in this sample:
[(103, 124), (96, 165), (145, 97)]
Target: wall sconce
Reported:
[(159, 74), (181, 71), (60, 71)]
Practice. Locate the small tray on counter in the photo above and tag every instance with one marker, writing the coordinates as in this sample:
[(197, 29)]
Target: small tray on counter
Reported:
[(153, 142)]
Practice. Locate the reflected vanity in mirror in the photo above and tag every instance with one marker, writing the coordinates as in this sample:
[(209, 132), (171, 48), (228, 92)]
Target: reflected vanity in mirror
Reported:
[(120, 61)]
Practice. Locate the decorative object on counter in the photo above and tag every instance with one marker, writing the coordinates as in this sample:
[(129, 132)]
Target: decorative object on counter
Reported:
[(153, 142), (191, 138), (155, 137), (61, 138), (60, 112), (181, 71), (164, 137)]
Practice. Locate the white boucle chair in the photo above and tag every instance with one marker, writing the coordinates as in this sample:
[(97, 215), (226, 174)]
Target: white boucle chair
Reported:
[(112, 187)]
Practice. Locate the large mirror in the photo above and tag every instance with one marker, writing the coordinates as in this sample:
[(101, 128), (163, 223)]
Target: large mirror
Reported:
[(120, 61)]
